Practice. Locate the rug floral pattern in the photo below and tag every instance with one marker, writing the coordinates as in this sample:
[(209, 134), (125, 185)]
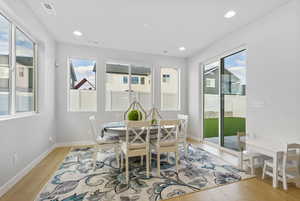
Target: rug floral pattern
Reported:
[(77, 179)]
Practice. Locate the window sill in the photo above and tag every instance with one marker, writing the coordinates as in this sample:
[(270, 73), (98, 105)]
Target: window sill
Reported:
[(81, 111), (18, 116), (170, 110)]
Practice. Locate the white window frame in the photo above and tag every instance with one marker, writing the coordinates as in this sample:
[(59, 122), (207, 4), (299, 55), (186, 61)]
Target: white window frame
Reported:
[(129, 64), (178, 85), (68, 82), (12, 71)]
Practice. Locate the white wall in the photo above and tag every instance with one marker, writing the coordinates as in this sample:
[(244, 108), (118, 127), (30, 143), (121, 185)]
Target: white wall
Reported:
[(273, 69), (28, 137), (74, 126)]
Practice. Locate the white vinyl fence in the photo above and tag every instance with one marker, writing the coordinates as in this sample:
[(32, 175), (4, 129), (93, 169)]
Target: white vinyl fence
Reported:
[(235, 106)]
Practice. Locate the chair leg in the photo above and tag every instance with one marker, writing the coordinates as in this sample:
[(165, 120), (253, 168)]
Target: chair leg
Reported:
[(252, 165), (147, 165), (185, 149), (117, 156), (95, 157), (150, 158), (158, 164), (264, 171), (127, 169), (176, 160), (284, 181), (122, 161), (241, 160)]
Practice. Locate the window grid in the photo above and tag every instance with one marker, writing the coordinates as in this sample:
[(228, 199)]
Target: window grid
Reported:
[(12, 73)]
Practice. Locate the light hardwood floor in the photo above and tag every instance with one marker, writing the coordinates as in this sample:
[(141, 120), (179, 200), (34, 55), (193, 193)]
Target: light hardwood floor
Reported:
[(247, 190)]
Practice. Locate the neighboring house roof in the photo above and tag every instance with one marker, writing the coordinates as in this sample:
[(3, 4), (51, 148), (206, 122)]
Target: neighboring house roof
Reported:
[(25, 61), (225, 72), (94, 69), (82, 82), (123, 69), (72, 72)]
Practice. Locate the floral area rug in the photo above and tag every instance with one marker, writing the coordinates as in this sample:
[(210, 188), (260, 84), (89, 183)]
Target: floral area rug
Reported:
[(77, 179)]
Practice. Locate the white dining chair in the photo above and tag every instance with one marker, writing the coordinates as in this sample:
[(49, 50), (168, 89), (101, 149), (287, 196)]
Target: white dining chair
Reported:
[(136, 144), (288, 170), (252, 160), (103, 142), (166, 141), (182, 136)]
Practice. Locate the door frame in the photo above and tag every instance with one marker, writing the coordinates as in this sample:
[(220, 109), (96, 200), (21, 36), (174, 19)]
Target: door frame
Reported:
[(219, 58)]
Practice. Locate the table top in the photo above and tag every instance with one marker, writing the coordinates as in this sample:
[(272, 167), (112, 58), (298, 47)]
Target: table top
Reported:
[(118, 128), (269, 144)]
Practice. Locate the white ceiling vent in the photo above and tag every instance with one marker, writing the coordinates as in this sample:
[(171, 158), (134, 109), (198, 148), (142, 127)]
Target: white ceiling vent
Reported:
[(49, 8)]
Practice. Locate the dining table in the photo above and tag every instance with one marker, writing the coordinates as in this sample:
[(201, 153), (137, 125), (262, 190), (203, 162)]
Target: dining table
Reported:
[(269, 147), (119, 129)]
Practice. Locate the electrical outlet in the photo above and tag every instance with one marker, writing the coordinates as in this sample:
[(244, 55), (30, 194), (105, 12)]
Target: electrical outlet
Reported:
[(14, 159), (51, 139)]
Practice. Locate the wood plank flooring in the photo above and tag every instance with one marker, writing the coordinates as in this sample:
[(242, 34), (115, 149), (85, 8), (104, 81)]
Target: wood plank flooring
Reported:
[(248, 190)]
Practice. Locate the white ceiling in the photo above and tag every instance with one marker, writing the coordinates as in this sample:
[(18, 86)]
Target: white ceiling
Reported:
[(149, 26)]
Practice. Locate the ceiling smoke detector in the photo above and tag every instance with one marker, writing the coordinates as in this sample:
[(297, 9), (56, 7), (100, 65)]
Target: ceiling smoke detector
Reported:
[(49, 8)]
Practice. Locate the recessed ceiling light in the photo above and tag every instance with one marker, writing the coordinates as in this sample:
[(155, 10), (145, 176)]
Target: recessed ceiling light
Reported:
[(146, 26), (77, 33), (230, 14), (182, 49)]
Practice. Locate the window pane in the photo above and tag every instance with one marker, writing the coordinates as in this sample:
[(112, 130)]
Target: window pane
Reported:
[(117, 91), (211, 102), (141, 90), (234, 93), (4, 66), (24, 73), (83, 94), (169, 89)]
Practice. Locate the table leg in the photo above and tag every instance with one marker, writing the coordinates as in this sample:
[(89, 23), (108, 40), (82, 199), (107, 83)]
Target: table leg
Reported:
[(275, 170)]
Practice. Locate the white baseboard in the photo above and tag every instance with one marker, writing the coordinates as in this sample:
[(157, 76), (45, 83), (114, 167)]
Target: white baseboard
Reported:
[(194, 138), (75, 143), (4, 188)]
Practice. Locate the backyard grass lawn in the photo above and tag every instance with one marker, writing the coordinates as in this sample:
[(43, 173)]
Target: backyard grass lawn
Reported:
[(231, 126)]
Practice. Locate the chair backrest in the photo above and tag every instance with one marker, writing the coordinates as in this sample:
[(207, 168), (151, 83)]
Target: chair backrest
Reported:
[(241, 140), (93, 126), (137, 134), (291, 158), (168, 132), (183, 125)]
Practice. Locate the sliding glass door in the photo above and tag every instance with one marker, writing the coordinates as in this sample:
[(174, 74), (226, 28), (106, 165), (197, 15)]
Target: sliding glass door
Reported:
[(225, 109), (233, 98)]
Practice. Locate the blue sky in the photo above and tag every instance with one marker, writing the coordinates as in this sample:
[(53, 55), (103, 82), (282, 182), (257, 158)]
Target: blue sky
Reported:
[(236, 64), (84, 69), (23, 43)]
